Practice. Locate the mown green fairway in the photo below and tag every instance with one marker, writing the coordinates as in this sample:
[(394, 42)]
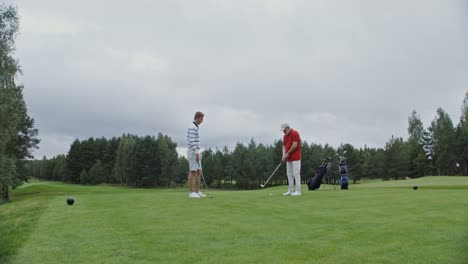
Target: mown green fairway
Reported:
[(375, 222)]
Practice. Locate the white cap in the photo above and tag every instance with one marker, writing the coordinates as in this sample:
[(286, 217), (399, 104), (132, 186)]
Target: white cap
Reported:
[(284, 126)]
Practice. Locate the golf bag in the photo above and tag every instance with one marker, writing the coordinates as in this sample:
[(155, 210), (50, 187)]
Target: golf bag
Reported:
[(343, 170), (315, 182)]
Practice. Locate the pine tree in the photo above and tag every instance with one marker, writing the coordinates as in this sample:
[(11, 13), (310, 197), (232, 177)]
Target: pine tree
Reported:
[(60, 172), (181, 172), (396, 159), (125, 160), (84, 177), (377, 168), (418, 159), (167, 157), (46, 171), (461, 144), (239, 164), (109, 159), (147, 163), (73, 163), (97, 173), (443, 135)]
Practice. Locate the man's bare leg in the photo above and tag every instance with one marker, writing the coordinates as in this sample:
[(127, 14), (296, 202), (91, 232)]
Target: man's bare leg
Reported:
[(191, 176), (197, 181)]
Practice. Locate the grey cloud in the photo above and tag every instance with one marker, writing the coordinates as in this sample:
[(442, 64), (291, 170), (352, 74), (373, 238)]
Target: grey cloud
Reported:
[(338, 71)]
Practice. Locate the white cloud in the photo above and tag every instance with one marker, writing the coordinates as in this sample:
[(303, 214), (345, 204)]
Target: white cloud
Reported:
[(139, 61), (321, 118), (45, 24), (279, 7), (147, 62)]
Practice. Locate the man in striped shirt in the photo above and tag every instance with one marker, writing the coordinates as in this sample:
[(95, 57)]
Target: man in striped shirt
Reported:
[(193, 154)]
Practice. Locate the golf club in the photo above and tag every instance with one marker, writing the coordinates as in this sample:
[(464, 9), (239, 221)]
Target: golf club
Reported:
[(341, 157), (263, 185), (206, 186), (327, 178)]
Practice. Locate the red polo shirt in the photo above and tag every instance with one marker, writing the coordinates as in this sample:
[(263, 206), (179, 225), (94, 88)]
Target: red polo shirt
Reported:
[(288, 140)]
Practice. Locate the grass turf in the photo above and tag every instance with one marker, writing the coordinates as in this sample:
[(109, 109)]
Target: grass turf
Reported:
[(374, 222)]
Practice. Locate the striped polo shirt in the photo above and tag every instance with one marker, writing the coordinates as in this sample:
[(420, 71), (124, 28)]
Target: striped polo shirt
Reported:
[(193, 138)]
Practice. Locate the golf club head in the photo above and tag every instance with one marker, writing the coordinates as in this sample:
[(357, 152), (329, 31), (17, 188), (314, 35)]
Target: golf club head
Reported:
[(262, 185)]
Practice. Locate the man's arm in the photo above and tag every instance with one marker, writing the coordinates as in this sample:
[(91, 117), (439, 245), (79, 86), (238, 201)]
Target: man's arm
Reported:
[(293, 148)]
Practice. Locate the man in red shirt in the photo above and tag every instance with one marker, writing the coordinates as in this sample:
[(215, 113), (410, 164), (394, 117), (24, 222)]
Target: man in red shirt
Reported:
[(292, 156)]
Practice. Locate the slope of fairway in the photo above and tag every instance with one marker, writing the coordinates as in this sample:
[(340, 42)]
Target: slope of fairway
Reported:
[(366, 224)]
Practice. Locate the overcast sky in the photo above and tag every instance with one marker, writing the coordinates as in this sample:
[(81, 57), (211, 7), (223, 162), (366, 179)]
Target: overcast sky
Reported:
[(337, 71)]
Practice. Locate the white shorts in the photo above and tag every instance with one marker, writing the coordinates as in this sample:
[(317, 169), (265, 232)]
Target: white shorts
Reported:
[(193, 164)]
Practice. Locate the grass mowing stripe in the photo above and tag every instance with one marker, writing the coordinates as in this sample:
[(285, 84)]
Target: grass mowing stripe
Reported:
[(17, 221)]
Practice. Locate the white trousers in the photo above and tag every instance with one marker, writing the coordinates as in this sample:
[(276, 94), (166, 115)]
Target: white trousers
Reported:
[(293, 171)]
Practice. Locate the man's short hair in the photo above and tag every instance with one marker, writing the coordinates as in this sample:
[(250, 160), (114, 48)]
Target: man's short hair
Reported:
[(198, 115)]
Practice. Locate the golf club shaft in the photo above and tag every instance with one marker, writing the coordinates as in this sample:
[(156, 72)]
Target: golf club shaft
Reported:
[(272, 174), (203, 178), (206, 186)]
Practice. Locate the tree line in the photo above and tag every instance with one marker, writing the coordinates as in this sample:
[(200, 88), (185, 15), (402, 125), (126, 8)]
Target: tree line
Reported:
[(127, 160), (439, 149), (152, 161)]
